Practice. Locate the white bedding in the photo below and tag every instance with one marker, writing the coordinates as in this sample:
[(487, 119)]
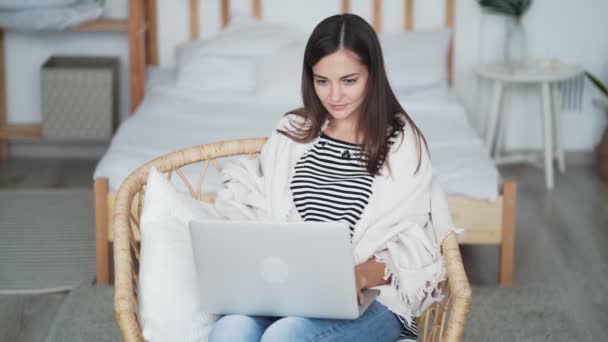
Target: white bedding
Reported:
[(169, 120), (48, 15)]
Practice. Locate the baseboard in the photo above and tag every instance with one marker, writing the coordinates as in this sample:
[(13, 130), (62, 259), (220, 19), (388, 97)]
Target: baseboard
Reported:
[(68, 150)]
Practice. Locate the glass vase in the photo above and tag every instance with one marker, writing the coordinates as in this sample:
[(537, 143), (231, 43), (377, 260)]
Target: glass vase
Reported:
[(515, 49)]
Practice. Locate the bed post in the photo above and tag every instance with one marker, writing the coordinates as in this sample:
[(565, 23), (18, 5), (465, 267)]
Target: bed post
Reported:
[(225, 7), (102, 265), (507, 242), (195, 29), (137, 50), (449, 22), (408, 16), (345, 6), (256, 9), (377, 16), (151, 22)]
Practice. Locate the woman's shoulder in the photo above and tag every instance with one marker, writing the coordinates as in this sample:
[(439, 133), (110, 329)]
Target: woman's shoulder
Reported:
[(398, 129), (407, 142), (291, 121)]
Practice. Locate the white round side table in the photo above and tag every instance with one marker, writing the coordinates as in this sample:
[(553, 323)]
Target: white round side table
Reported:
[(547, 77)]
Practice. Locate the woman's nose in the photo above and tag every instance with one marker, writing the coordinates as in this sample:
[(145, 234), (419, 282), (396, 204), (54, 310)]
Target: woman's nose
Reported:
[(335, 94)]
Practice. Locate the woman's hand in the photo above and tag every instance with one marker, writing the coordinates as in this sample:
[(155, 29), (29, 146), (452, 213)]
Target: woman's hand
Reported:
[(361, 283), (368, 274)]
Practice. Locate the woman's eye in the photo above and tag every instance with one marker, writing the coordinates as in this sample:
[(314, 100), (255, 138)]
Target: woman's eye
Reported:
[(350, 81), (321, 82)]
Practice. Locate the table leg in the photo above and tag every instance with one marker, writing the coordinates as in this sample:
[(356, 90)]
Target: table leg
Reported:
[(547, 133), (493, 117), (557, 128), (501, 127)]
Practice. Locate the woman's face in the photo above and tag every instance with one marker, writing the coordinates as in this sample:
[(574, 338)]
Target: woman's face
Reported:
[(340, 81)]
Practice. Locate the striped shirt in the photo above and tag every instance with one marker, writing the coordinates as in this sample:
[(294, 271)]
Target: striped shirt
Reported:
[(331, 183)]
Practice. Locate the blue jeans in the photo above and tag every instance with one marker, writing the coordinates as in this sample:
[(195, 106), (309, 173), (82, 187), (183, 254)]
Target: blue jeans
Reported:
[(376, 324)]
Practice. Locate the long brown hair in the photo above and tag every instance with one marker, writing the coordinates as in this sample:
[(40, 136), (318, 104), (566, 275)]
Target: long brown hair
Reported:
[(381, 113)]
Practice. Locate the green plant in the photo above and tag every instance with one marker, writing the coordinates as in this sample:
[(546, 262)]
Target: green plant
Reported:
[(596, 81), (514, 8)]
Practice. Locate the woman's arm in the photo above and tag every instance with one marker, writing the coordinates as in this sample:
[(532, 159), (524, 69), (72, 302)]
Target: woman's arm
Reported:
[(369, 274)]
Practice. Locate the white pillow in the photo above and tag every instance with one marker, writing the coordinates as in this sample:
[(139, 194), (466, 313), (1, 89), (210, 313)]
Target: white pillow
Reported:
[(246, 36), (227, 61), (168, 292), (216, 74), (416, 59), (280, 74)]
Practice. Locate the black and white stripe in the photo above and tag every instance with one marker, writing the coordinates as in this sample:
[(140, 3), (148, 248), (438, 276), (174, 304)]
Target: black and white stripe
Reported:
[(331, 183), (409, 332)]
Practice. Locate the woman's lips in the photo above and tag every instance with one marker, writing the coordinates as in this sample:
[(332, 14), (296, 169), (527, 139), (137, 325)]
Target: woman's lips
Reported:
[(337, 107)]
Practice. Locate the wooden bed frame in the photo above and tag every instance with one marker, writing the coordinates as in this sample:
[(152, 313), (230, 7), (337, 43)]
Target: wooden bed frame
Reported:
[(486, 223)]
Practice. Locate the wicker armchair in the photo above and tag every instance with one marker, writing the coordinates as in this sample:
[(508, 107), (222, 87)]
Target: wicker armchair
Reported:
[(443, 321)]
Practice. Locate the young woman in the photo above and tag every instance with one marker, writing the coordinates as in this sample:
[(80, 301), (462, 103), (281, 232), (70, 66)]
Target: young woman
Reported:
[(352, 154)]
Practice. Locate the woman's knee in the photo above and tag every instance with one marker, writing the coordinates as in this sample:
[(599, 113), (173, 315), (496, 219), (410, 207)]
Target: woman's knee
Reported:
[(236, 328), (291, 329)]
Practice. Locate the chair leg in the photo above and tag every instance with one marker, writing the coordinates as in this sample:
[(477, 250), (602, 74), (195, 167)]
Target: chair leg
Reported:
[(102, 264), (507, 245)]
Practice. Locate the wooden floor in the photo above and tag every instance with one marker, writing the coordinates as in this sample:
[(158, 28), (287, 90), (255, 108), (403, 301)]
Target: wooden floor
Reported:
[(561, 238)]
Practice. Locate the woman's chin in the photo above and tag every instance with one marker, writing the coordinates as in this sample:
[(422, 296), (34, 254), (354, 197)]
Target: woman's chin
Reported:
[(339, 114)]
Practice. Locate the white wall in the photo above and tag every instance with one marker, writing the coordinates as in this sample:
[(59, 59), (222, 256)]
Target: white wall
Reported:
[(572, 31), (26, 52)]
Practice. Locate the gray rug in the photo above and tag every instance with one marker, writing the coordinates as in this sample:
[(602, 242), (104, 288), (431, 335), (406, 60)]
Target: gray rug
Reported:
[(87, 314), (530, 313), (47, 240), (524, 313)]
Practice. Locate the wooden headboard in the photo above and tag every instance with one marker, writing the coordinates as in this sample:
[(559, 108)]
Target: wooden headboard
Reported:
[(143, 33)]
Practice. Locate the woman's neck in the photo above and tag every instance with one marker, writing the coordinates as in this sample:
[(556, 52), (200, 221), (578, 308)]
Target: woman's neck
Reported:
[(343, 130)]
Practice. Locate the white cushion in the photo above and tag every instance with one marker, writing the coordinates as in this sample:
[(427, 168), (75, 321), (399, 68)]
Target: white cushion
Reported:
[(416, 59), (168, 292), (280, 75)]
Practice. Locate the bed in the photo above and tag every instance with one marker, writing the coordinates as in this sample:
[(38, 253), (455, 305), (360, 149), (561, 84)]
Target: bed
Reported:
[(481, 202)]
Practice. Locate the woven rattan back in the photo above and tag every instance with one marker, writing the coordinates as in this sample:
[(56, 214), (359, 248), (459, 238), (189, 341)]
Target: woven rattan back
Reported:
[(441, 322)]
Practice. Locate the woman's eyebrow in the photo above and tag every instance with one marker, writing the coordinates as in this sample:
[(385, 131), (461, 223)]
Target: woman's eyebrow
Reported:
[(343, 77)]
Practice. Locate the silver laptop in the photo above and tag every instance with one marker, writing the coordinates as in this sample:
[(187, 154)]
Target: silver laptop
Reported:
[(277, 269)]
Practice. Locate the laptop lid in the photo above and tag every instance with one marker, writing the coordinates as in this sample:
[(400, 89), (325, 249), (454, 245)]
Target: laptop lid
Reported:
[(276, 269)]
